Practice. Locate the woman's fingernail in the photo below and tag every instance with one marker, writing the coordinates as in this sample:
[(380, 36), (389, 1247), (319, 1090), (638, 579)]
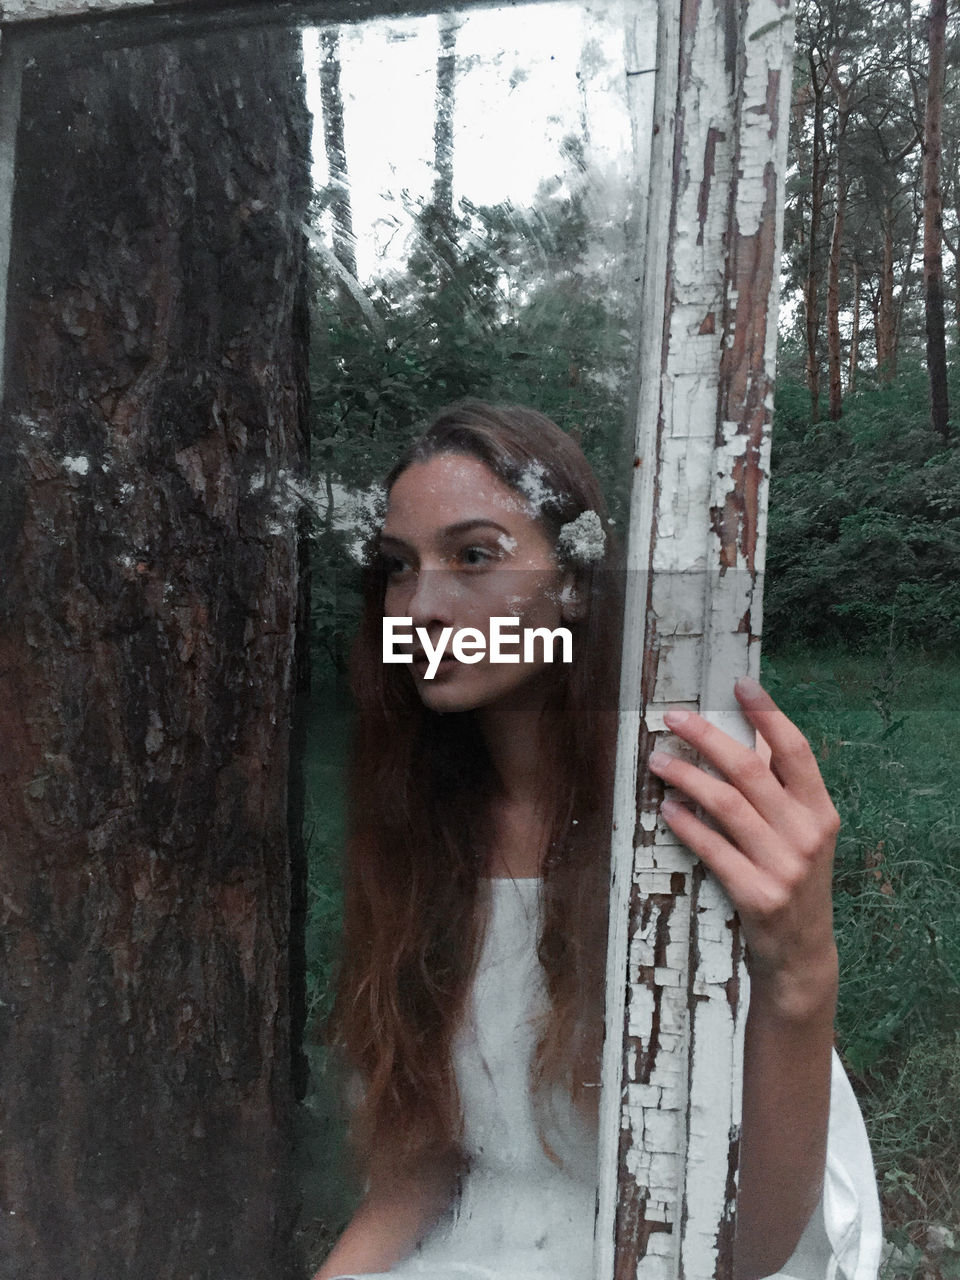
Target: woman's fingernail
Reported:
[(749, 687), (661, 760), (676, 715)]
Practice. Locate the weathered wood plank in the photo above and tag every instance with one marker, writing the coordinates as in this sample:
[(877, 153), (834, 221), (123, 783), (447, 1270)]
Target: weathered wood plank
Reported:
[(26, 14), (676, 982), (31, 10)]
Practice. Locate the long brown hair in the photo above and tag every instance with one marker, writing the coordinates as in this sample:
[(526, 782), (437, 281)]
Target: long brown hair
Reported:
[(421, 786)]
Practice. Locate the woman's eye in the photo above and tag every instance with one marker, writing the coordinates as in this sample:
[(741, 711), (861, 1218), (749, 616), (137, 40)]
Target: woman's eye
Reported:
[(394, 567), (477, 557)]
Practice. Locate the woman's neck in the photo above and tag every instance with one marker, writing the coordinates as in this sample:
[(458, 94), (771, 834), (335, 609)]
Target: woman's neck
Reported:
[(518, 842), (512, 731), (520, 824)]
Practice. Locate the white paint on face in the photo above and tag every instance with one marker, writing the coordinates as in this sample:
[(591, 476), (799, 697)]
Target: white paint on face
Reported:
[(461, 550), (532, 486)]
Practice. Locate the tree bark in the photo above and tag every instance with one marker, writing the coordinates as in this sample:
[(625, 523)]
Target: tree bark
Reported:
[(149, 625), (812, 281), (833, 306), (853, 369), (933, 221), (906, 280), (833, 266), (443, 120), (885, 326)]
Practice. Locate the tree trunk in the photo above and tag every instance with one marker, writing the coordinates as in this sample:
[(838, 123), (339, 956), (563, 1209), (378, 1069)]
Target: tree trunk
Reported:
[(953, 248), (933, 222), (833, 266), (900, 306), (148, 660), (443, 126), (833, 307), (331, 98), (811, 284), (854, 365), (886, 352)]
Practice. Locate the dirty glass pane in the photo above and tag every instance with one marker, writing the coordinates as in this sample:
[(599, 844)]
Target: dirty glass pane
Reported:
[(477, 231), (226, 241)]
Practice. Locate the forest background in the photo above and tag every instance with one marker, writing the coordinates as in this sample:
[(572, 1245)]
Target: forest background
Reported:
[(862, 611)]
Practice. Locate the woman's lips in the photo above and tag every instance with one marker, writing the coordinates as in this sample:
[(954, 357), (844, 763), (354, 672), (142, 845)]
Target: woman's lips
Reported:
[(422, 662)]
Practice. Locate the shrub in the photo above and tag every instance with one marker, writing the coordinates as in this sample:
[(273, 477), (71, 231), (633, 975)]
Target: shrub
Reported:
[(864, 524)]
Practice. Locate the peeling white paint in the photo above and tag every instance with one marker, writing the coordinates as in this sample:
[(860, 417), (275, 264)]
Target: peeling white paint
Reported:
[(531, 484), (31, 10), (688, 520), (770, 40)]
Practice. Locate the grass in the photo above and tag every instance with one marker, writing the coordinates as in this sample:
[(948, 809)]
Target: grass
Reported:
[(884, 729)]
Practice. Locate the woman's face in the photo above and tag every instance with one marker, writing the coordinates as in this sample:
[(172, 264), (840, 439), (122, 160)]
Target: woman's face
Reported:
[(461, 547)]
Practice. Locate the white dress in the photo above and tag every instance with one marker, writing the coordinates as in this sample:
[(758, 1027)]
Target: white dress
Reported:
[(520, 1216)]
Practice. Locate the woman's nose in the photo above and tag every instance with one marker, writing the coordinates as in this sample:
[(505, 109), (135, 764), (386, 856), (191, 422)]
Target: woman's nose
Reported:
[(432, 598)]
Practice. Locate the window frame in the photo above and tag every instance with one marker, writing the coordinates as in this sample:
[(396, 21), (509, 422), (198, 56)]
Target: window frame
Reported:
[(695, 572)]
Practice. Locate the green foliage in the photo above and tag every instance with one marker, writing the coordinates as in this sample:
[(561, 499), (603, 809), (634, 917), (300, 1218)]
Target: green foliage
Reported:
[(324, 763), (324, 917), (330, 1182), (504, 306), (884, 731), (864, 526)]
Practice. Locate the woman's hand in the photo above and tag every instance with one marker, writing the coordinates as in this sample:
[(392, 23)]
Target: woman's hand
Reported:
[(774, 856), (774, 850)]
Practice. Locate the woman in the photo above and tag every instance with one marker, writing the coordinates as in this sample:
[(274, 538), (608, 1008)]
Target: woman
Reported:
[(470, 1002)]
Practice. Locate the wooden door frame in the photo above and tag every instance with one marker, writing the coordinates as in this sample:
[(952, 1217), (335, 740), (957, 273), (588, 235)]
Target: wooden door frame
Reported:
[(676, 986)]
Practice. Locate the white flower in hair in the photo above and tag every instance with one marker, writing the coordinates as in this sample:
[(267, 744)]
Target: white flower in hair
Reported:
[(582, 540)]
